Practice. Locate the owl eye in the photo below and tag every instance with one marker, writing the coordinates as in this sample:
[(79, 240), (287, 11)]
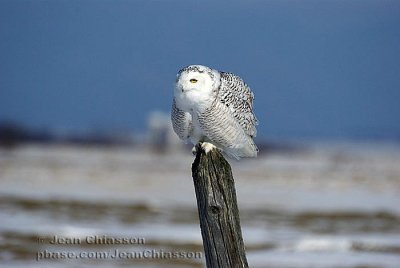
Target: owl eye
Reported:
[(193, 80)]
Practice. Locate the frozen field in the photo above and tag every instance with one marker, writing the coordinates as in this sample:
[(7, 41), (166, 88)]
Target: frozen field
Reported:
[(326, 205)]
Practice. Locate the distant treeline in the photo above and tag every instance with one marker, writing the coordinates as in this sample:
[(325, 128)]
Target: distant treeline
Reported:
[(13, 134)]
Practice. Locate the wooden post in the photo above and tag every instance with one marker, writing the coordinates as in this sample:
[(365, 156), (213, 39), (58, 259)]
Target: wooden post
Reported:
[(218, 210)]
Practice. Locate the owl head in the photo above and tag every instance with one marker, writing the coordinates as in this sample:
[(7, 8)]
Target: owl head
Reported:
[(197, 78), (196, 87)]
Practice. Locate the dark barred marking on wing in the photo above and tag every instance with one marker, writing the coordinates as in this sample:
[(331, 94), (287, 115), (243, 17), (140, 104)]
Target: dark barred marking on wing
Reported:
[(238, 97)]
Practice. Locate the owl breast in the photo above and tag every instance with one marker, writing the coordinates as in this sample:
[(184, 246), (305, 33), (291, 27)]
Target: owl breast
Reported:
[(192, 100)]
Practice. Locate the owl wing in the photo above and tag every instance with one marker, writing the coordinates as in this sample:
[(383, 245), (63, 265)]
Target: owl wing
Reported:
[(238, 98), (223, 130), (181, 122)]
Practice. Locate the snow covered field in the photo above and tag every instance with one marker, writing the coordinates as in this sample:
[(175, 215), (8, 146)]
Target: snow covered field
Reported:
[(325, 205)]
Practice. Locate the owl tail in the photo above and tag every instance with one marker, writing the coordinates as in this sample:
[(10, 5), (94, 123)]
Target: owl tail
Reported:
[(248, 149)]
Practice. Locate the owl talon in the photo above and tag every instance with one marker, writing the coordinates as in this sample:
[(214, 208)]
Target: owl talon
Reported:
[(207, 147)]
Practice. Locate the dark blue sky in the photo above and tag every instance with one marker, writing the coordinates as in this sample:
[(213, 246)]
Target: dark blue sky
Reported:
[(325, 69)]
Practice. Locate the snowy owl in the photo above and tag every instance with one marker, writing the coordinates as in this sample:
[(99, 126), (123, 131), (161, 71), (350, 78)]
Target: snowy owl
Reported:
[(216, 109)]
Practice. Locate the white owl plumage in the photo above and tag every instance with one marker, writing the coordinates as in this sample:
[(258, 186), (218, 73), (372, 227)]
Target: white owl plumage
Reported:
[(214, 107)]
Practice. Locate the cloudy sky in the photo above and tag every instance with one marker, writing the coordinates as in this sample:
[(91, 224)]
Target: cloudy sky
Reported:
[(319, 69)]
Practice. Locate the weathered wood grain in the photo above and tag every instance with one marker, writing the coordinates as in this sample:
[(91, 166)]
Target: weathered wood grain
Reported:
[(218, 210)]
